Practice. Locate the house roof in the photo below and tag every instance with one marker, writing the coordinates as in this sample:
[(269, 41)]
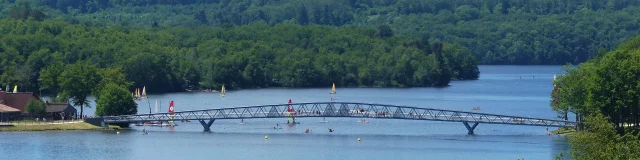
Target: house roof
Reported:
[(57, 107), (2, 95), (5, 108), (18, 100)]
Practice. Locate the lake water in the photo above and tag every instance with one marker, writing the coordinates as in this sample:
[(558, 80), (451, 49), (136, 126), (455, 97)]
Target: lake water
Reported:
[(511, 90)]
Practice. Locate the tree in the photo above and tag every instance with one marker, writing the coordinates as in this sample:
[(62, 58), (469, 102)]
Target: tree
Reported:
[(201, 16), (303, 18), (49, 78), (602, 142), (115, 100), (77, 82), (384, 31), (110, 76), (36, 107)]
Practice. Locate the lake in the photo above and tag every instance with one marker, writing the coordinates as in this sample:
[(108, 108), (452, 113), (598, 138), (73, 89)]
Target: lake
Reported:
[(510, 90)]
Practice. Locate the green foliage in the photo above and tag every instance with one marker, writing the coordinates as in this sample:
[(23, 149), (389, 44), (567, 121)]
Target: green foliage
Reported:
[(497, 31), (115, 100), (601, 141), (607, 85), (111, 76), (77, 81), (606, 90), (252, 56), (22, 10), (50, 77), (36, 107)]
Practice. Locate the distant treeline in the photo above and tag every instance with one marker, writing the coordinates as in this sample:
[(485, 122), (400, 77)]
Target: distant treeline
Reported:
[(251, 56), (497, 31)]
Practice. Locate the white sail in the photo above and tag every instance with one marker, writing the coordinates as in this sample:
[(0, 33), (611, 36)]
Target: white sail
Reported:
[(144, 92), (333, 89), (156, 105)]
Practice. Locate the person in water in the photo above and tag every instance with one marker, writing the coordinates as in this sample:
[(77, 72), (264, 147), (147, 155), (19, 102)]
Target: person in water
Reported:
[(288, 122), (330, 130)]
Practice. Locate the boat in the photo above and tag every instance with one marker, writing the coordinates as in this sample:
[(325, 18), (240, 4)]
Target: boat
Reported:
[(475, 108), (171, 110), (363, 121), (223, 92), (144, 93), (156, 105), (333, 89), (137, 93), (323, 120), (291, 113), (15, 89)]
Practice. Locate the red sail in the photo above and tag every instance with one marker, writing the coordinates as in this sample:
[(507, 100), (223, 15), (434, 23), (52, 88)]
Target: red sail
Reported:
[(289, 108), (171, 108)]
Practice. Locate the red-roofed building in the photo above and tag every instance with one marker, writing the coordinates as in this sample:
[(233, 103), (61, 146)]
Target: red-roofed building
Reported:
[(17, 100)]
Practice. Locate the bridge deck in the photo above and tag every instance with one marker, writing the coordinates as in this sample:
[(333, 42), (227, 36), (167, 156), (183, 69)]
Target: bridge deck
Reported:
[(341, 109)]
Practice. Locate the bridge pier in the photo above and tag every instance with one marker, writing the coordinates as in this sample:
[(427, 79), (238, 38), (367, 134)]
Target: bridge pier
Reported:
[(470, 128), (207, 125)]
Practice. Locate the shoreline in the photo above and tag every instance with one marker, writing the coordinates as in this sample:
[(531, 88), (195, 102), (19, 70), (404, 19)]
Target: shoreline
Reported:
[(563, 131), (55, 127)]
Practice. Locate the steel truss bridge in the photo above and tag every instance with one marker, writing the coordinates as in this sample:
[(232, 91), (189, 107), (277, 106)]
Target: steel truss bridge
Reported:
[(339, 109)]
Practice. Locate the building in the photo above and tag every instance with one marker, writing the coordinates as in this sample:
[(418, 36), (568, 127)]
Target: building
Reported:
[(17, 100), (61, 111), (8, 113)]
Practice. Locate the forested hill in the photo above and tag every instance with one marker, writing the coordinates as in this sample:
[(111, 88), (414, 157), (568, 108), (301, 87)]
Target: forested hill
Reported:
[(496, 31), (34, 53)]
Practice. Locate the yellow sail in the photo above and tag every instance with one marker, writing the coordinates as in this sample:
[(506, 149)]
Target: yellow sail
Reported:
[(15, 89), (144, 92), (333, 89)]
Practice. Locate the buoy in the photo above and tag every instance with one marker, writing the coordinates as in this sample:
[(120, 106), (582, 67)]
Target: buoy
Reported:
[(266, 137), (358, 139)]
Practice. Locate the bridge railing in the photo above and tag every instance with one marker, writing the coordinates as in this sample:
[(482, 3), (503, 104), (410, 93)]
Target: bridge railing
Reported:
[(340, 109)]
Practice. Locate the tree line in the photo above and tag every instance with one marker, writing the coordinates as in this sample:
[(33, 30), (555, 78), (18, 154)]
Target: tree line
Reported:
[(604, 93), (43, 55), (497, 31)]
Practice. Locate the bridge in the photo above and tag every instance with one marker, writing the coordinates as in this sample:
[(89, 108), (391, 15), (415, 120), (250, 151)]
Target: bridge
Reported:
[(339, 109)]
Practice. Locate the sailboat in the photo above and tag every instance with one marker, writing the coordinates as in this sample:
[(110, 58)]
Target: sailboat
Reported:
[(156, 105), (171, 114), (15, 89), (324, 120), (144, 93), (138, 93), (223, 92), (333, 89), (154, 123), (291, 113)]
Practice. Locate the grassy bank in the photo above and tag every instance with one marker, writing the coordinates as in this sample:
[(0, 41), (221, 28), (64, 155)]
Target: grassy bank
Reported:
[(563, 131), (52, 127)]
